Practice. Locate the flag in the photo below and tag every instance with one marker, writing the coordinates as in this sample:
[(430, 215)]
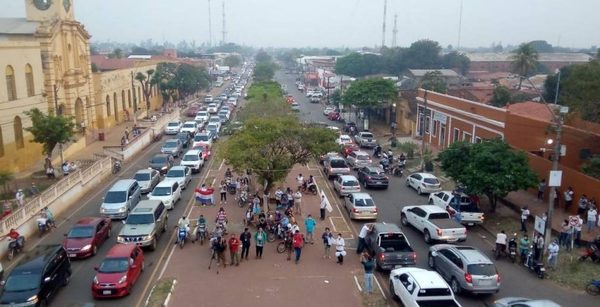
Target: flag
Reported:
[(204, 195)]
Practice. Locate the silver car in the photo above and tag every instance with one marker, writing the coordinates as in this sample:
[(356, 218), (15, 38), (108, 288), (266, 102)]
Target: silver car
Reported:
[(174, 147), (524, 302), (181, 174), (147, 179), (358, 159), (360, 206), (465, 268)]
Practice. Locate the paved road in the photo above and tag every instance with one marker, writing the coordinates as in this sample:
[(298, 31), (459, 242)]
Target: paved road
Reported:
[(516, 280)]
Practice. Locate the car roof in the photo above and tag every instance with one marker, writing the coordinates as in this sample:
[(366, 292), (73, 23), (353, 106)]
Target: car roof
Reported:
[(175, 122), (190, 122), (424, 278), (193, 152), (120, 250), (347, 177), (361, 195), (122, 184), (165, 183), (36, 258), (530, 302), (425, 175), (88, 221), (431, 208), (374, 168), (470, 253), (178, 167), (360, 152), (161, 155), (145, 206), (386, 228)]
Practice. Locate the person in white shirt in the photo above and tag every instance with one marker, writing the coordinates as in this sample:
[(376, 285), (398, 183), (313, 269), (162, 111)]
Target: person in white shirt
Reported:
[(323, 206), (340, 245), (553, 254), (592, 217), (300, 181), (524, 216), (501, 242), (364, 231)]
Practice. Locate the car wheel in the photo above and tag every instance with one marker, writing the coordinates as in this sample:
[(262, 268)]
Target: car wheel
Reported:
[(455, 286), (94, 250), (419, 191), (153, 244), (394, 295), (66, 279), (431, 201), (431, 262), (407, 183), (403, 220), (164, 227), (427, 236), (109, 233)]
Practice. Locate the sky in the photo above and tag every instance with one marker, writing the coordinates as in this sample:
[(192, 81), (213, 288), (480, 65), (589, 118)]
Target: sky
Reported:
[(337, 23)]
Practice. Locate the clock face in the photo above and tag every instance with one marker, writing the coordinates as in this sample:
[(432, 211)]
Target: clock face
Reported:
[(67, 4), (42, 4)]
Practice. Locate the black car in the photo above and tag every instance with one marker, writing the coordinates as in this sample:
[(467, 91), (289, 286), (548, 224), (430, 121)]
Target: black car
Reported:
[(161, 163), (37, 277), (372, 176), (185, 138)]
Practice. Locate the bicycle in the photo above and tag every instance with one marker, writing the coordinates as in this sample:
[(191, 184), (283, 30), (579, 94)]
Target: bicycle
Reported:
[(284, 245)]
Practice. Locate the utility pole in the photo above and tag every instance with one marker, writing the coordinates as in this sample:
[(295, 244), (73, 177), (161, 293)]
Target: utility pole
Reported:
[(424, 122), (135, 106), (209, 26), (58, 112), (459, 25), (383, 28), (224, 31), (395, 31)]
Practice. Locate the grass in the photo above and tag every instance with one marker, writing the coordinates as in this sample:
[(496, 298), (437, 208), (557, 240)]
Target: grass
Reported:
[(571, 272), (375, 299), (161, 289), (495, 223)]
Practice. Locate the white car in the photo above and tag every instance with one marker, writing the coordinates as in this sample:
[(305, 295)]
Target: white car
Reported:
[(208, 98), (357, 159), (201, 116), (415, 287), (224, 113), (192, 159), (232, 101), (181, 174), (460, 204), (424, 183), (167, 191), (295, 106), (328, 110), (190, 127), (215, 128), (212, 108), (202, 138), (344, 139), (334, 128), (173, 127), (346, 184), (214, 120)]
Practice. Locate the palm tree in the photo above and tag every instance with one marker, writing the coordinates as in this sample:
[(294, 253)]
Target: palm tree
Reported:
[(524, 59)]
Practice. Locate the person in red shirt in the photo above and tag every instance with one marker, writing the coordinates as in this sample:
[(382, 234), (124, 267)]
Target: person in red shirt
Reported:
[(234, 246), (14, 235), (298, 243)]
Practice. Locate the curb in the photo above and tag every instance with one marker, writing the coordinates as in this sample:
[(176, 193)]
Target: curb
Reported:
[(167, 299)]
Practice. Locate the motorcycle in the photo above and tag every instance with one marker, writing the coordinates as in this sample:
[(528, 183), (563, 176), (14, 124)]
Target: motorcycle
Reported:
[(243, 200), (591, 252), (535, 266), (499, 250), (512, 249), (43, 226), (15, 247), (116, 167), (312, 188), (200, 232), (397, 170), (593, 287), (181, 236), (385, 165)]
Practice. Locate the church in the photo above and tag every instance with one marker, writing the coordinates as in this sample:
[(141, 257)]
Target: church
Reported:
[(45, 58)]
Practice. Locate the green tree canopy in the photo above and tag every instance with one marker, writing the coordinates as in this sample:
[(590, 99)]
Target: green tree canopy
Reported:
[(370, 93), (434, 81), (358, 65), (501, 96), (264, 71), (261, 57), (49, 129), (592, 167), (524, 61), (456, 60), (491, 168), (424, 54), (232, 61), (147, 81)]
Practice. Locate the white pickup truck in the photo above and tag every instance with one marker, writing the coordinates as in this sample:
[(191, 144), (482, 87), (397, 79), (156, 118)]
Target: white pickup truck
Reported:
[(415, 287), (434, 222), (365, 139), (464, 210)]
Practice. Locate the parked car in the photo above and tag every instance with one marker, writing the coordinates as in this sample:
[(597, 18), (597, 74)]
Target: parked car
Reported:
[(122, 196), (161, 163), (185, 138), (118, 272), (415, 287), (193, 159), (465, 267), (373, 176), (173, 127), (435, 223), (344, 139), (358, 159), (524, 302), (390, 247), (172, 147), (37, 277), (424, 183), (181, 174), (190, 127), (335, 166), (147, 179), (146, 223), (464, 210), (86, 235), (345, 184), (365, 139), (360, 206)]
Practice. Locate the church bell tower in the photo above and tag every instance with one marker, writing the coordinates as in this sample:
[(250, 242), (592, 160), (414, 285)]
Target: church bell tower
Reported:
[(47, 10)]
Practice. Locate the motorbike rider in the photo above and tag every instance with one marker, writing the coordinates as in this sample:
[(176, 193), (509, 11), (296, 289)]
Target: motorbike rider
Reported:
[(183, 223), (221, 217), (14, 235), (228, 173), (47, 214), (512, 243), (524, 245), (310, 183), (377, 151), (402, 159), (501, 242)]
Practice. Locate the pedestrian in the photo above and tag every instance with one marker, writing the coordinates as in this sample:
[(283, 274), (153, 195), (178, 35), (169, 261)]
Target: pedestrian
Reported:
[(223, 191), (123, 141), (260, 237), (364, 231), (294, 226), (220, 249), (524, 216), (310, 224), (524, 245), (34, 189), (568, 195), (577, 229), (126, 133), (234, 246), (297, 202), (50, 172), (538, 246), (245, 238), (564, 233), (340, 246), (582, 205), (298, 243), (368, 265), (327, 237), (300, 181), (592, 217), (248, 217), (553, 254), (323, 207), (541, 189), (20, 197)]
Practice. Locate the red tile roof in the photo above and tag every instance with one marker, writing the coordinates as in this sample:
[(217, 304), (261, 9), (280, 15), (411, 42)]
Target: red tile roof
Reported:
[(531, 109), (104, 63)]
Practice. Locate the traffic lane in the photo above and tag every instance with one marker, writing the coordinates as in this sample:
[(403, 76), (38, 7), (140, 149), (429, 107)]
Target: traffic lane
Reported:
[(79, 290)]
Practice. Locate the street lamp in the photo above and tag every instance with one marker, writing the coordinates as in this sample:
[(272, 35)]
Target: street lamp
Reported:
[(328, 86)]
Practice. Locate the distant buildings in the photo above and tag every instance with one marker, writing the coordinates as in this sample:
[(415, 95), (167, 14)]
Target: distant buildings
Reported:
[(502, 62)]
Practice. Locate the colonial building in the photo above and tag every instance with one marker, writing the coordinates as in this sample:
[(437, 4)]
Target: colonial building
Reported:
[(502, 62)]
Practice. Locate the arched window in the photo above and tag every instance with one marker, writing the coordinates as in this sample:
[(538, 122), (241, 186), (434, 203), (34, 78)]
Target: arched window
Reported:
[(1, 143), (29, 80), (123, 99), (18, 132), (108, 105), (11, 86)]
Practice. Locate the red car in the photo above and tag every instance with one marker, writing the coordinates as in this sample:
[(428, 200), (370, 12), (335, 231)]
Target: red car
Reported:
[(86, 235), (191, 111), (205, 148), (349, 148), (118, 272), (335, 116)]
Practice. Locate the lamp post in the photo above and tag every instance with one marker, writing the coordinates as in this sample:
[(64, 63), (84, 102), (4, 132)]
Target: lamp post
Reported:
[(58, 112), (424, 122), (328, 86)]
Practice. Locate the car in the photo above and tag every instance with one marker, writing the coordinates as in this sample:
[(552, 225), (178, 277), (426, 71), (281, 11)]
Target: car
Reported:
[(434, 222), (204, 151), (225, 113), (173, 127), (223, 118), (334, 116), (147, 179), (191, 111), (360, 206), (86, 235), (214, 129), (349, 148), (232, 101), (345, 184), (465, 210), (365, 139), (358, 159), (344, 139), (201, 116), (314, 99), (118, 272), (389, 246), (193, 159), (416, 287), (37, 277), (212, 108), (172, 147), (214, 119), (169, 192), (295, 106), (423, 183), (145, 224), (373, 176), (523, 302), (190, 127), (161, 163), (334, 166), (466, 268), (181, 174), (223, 96), (122, 196), (208, 98), (185, 138), (202, 138)]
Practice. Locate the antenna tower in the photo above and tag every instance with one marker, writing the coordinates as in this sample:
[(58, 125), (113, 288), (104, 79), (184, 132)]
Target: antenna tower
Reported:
[(209, 26), (395, 31), (224, 31), (383, 28), (459, 25)]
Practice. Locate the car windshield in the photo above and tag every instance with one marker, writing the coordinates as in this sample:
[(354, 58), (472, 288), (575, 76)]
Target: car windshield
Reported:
[(485, 269), (170, 144), (159, 159), (437, 303), (338, 163), (364, 202), (134, 219), (214, 119), (350, 183), (201, 138), (431, 180), (211, 127), (22, 281), (114, 197), (376, 172), (114, 265), (142, 177), (81, 232), (173, 124), (161, 191), (193, 157), (362, 157), (188, 126), (175, 173), (367, 135)]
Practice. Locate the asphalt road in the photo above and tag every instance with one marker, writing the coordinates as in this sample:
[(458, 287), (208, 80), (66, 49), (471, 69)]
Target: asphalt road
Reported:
[(516, 279)]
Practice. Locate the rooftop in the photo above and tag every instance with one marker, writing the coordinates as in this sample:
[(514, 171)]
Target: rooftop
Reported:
[(536, 110), (543, 57), (104, 63), (17, 26), (422, 72)]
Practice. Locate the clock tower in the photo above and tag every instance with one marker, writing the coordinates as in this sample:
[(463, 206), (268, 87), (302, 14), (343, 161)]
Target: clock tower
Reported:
[(48, 10)]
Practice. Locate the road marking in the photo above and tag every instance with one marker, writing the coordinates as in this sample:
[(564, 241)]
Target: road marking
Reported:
[(221, 166), (335, 201), (380, 288), (357, 284)]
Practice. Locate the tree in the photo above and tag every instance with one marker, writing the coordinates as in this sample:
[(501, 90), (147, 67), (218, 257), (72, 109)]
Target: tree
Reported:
[(264, 71), (491, 168), (5, 178), (370, 93), (336, 97), (457, 61), (524, 60), (580, 91), (270, 147), (117, 53), (261, 57), (232, 61), (49, 129), (359, 65), (592, 167), (147, 83), (501, 96), (424, 54), (541, 46), (434, 81)]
